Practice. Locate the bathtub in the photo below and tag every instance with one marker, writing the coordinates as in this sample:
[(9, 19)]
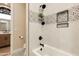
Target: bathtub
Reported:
[(50, 51)]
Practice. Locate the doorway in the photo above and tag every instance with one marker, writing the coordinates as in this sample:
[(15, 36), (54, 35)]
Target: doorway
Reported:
[(5, 28)]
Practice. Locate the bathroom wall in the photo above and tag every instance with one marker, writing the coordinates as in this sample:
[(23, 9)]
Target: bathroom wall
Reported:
[(66, 38), (62, 38), (18, 25), (34, 32)]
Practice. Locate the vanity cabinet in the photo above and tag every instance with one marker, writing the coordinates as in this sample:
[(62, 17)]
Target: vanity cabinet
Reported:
[(4, 40)]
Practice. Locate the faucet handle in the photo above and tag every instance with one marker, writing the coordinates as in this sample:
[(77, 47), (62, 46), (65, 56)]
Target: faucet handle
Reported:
[(41, 49), (40, 37)]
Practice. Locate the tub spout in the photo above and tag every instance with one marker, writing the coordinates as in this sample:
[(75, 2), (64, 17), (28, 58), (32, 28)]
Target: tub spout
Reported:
[(42, 44)]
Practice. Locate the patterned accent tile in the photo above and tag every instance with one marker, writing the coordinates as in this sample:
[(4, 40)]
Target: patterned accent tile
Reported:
[(74, 13), (73, 16)]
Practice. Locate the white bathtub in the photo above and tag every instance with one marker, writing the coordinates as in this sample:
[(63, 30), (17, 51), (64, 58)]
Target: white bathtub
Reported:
[(50, 51)]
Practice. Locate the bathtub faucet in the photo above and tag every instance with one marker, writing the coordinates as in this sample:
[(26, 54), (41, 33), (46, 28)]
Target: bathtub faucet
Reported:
[(42, 44)]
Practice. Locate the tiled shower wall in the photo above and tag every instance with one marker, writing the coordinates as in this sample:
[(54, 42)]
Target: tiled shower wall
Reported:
[(66, 39), (36, 30)]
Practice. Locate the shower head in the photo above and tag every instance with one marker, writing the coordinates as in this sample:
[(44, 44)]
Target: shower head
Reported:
[(43, 6)]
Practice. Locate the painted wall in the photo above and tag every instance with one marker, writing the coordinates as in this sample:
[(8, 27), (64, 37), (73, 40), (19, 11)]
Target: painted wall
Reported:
[(18, 25)]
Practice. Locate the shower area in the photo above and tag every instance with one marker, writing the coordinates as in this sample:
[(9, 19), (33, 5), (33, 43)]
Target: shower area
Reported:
[(53, 29)]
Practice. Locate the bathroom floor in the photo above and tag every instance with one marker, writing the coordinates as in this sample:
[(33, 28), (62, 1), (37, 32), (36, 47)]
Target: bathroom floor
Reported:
[(5, 51)]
